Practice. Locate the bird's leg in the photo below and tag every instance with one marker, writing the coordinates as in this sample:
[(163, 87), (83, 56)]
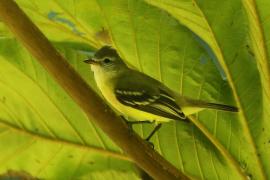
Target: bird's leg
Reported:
[(130, 123), (153, 132), (151, 135)]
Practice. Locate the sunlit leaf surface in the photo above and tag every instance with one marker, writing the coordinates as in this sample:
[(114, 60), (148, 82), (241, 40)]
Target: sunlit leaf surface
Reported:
[(201, 49)]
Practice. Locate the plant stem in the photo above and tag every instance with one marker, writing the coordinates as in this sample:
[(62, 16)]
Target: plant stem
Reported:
[(39, 46)]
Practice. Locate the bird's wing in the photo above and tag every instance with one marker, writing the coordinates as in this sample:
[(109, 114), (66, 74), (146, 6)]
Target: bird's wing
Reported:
[(147, 96)]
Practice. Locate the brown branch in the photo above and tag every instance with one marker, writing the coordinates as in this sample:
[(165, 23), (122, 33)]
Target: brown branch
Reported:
[(38, 45)]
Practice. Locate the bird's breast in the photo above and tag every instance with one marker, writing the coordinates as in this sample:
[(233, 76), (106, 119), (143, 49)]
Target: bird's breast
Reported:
[(106, 84)]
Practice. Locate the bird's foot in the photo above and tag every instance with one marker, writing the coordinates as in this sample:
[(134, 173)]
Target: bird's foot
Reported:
[(151, 135), (151, 144), (131, 123)]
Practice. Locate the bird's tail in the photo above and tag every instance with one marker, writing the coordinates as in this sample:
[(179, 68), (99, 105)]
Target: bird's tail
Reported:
[(219, 107), (203, 104)]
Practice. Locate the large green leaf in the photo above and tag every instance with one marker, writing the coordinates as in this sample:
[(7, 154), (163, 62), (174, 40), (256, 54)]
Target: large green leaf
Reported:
[(43, 131), (224, 27), (259, 27), (46, 133)]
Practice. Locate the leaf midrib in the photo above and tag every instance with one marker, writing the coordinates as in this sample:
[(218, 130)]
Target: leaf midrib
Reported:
[(42, 120), (262, 56), (64, 142), (212, 41), (242, 115)]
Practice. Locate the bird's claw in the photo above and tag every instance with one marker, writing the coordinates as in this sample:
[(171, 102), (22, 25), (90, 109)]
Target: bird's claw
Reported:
[(128, 123), (150, 144)]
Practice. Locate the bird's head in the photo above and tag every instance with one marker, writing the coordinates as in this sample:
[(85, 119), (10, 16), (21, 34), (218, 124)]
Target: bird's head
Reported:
[(106, 59)]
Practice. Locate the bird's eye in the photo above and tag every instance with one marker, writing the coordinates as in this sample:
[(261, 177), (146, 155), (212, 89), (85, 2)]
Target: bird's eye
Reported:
[(107, 60)]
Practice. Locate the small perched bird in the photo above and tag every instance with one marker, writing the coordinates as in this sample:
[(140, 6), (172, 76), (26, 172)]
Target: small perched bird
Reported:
[(140, 97)]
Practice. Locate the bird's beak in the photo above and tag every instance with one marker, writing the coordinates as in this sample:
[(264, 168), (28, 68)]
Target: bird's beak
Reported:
[(91, 61)]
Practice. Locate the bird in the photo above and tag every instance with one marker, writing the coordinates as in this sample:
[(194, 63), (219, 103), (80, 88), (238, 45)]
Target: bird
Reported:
[(135, 95)]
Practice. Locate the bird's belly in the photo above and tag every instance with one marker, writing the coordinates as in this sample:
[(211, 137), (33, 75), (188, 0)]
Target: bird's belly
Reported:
[(137, 115), (128, 112)]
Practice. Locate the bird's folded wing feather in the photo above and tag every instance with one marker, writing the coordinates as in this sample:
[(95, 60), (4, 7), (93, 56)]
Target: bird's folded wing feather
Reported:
[(145, 96)]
